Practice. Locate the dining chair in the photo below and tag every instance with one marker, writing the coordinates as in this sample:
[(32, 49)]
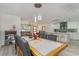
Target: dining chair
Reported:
[(23, 46)]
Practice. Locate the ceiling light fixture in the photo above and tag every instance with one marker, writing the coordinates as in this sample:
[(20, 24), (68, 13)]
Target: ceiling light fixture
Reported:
[(37, 5)]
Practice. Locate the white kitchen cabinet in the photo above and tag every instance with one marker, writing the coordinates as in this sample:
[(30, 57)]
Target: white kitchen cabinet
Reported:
[(72, 25), (62, 37)]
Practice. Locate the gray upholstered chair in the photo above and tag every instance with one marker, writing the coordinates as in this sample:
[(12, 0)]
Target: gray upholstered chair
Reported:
[(25, 48), (23, 45), (52, 37), (42, 34)]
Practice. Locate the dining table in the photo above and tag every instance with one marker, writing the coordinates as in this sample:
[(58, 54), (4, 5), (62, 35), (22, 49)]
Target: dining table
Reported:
[(45, 47)]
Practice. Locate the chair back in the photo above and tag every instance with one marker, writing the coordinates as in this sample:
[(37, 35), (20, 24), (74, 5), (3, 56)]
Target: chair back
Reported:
[(52, 37), (23, 45)]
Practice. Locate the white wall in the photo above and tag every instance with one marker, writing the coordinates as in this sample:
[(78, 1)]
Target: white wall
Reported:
[(78, 30), (0, 31), (50, 27), (7, 22)]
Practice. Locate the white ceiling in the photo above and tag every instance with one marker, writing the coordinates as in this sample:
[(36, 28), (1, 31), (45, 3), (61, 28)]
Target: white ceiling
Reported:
[(50, 12)]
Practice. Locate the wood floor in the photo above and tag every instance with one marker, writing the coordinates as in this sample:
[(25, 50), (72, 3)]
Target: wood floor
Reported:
[(7, 50), (71, 50)]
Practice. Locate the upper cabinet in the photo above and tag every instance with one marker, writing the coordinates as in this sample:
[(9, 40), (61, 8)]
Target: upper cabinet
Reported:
[(63, 26), (67, 27), (72, 25)]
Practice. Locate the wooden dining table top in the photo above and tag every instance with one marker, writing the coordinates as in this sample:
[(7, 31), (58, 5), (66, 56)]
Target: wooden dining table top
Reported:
[(45, 47)]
